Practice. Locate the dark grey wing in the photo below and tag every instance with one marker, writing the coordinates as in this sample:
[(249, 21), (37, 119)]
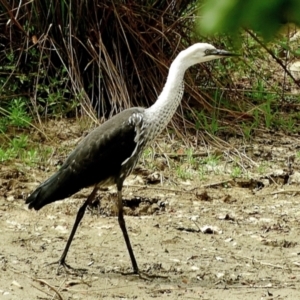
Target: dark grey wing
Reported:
[(97, 158)]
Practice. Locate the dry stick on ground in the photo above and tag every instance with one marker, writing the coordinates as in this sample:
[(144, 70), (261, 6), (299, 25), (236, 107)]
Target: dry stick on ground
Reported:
[(274, 182), (155, 188), (50, 287), (192, 191), (279, 192), (176, 155), (41, 281), (253, 286), (234, 256), (41, 290), (165, 155), (263, 263), (89, 291), (242, 156)]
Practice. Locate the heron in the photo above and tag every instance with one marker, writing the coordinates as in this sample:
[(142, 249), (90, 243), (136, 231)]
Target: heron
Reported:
[(109, 153)]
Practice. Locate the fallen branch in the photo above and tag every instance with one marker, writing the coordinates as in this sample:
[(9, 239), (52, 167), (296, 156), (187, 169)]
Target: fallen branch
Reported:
[(280, 192), (50, 287)]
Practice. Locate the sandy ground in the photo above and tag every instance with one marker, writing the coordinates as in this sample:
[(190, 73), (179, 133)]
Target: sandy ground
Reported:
[(222, 237)]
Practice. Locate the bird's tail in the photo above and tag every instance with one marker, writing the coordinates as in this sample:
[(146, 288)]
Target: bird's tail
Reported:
[(57, 187), (34, 200), (43, 195)]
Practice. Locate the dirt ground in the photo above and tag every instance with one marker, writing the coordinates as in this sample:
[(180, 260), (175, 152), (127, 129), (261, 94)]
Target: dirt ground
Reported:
[(218, 237)]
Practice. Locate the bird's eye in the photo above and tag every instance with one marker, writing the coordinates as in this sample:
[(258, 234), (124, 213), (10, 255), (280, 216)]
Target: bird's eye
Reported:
[(207, 51)]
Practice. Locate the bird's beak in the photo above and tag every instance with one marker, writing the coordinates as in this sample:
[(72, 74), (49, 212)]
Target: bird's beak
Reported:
[(218, 52)]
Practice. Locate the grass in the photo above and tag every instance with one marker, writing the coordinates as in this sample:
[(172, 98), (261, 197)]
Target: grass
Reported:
[(17, 114), (14, 114), (236, 172), (184, 173), (193, 167), (15, 125), (147, 158), (261, 169), (202, 172), (14, 117), (211, 160), (208, 123), (18, 149), (247, 131)]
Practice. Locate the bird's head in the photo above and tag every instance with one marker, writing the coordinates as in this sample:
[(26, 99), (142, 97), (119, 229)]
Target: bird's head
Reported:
[(202, 52)]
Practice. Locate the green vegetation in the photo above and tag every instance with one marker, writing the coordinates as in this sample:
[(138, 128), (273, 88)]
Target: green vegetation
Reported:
[(192, 166), (231, 15), (14, 115), (148, 158), (211, 160), (183, 173), (208, 123), (236, 172), (261, 169), (15, 135), (18, 148)]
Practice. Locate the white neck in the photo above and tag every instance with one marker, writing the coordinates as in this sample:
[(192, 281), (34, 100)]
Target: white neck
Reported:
[(161, 112)]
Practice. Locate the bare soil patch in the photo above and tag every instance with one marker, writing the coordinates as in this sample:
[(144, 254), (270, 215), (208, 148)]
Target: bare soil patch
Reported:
[(218, 237)]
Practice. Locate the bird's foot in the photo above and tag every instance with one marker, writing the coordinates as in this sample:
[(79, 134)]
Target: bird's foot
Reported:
[(144, 275), (68, 269)]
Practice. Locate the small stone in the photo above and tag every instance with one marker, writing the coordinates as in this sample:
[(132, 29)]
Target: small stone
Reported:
[(17, 284), (10, 198)]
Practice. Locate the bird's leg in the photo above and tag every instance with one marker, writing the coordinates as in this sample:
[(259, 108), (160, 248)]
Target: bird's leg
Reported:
[(124, 231), (79, 217), (121, 220)]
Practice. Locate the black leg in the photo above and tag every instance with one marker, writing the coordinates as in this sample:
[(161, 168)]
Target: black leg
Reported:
[(124, 231), (79, 217), (128, 244)]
